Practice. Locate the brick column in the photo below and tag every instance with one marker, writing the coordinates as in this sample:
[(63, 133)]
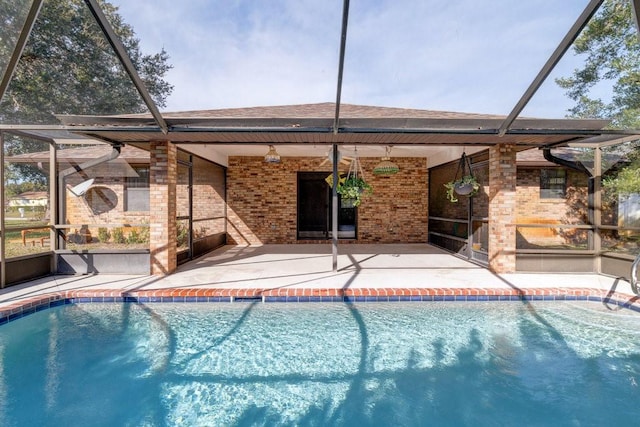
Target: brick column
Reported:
[(162, 207), (502, 208)]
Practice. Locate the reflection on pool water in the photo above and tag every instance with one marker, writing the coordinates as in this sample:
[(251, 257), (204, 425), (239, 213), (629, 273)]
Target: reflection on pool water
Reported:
[(322, 364)]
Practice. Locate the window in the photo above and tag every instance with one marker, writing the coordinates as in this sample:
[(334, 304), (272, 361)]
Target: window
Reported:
[(136, 193), (553, 183)]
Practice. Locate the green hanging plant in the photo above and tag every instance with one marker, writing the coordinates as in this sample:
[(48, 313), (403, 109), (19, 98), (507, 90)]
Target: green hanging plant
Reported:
[(465, 186), (354, 188)]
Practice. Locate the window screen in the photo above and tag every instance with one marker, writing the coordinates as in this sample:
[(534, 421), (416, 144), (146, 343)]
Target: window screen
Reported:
[(552, 183)]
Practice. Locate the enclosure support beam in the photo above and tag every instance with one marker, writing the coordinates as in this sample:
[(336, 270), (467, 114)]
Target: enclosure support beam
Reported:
[(343, 44), (334, 209), (125, 60), (19, 47), (635, 5), (3, 266), (597, 207), (562, 48), (53, 205)]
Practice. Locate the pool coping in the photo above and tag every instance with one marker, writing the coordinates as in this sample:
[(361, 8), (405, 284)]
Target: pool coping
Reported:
[(30, 305)]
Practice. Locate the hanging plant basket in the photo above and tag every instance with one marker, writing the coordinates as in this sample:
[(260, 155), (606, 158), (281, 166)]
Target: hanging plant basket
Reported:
[(354, 187), (467, 185), (348, 203), (463, 189)]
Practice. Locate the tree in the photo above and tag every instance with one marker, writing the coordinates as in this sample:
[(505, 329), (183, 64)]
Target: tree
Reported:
[(612, 53), (68, 67), (623, 180)]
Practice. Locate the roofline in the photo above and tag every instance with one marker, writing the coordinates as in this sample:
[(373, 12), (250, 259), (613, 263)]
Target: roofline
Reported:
[(321, 124)]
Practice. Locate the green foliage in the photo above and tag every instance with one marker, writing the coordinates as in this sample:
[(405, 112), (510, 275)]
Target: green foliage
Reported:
[(103, 234), (625, 183), (133, 237), (611, 49), (144, 235), (182, 234), (622, 165), (14, 188), (467, 179), (68, 67), (21, 177), (118, 235), (354, 188)]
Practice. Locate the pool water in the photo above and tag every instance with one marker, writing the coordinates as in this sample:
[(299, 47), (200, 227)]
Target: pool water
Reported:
[(370, 364)]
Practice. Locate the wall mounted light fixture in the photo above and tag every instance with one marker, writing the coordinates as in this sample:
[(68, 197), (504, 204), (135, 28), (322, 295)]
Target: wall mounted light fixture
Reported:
[(272, 155)]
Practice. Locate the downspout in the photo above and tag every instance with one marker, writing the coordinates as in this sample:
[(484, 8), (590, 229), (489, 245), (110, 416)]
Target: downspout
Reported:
[(115, 152), (590, 186), (566, 163)]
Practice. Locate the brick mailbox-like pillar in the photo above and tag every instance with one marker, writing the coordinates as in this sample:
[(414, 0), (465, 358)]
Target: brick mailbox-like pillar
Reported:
[(502, 208), (162, 207)]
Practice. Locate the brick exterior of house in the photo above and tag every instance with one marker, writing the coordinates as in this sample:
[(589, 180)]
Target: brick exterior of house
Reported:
[(568, 210), (162, 215), (262, 201), (103, 202), (502, 208)]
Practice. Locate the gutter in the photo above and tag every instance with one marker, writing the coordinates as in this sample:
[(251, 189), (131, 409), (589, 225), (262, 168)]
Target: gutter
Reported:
[(115, 152), (546, 152)]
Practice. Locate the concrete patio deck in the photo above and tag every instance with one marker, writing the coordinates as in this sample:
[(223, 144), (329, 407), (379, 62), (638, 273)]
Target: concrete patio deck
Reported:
[(376, 272)]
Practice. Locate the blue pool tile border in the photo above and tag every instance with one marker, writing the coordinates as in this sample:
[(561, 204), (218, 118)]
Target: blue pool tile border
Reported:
[(28, 307)]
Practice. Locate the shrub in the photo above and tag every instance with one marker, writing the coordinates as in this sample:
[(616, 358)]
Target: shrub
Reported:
[(103, 234), (133, 237), (145, 234), (118, 235), (182, 234)]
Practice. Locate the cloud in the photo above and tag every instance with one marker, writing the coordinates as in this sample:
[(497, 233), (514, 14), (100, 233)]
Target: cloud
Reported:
[(443, 55)]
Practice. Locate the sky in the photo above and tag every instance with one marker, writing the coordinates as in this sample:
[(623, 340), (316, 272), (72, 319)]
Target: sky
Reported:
[(448, 55)]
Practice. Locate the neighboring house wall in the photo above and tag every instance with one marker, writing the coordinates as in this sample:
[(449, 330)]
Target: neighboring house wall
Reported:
[(572, 209), (262, 201), (531, 208), (29, 199)]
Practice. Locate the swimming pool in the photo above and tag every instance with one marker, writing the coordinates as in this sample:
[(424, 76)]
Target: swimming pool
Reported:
[(447, 363)]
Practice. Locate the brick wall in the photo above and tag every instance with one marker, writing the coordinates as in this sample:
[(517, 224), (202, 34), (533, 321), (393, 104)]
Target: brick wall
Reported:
[(162, 193), (103, 203), (571, 209), (262, 201), (502, 197)]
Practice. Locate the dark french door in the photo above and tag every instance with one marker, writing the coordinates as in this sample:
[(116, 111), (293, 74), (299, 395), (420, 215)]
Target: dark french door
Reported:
[(314, 209)]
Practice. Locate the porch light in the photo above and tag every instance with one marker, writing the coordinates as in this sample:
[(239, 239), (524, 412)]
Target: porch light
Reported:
[(272, 155), (386, 166)]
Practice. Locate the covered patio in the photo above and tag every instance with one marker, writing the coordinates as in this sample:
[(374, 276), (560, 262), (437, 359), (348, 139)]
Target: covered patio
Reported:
[(301, 273)]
